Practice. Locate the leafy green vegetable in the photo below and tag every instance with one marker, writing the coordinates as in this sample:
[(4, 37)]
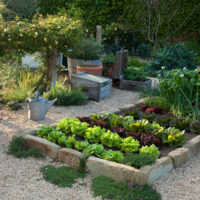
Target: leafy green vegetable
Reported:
[(94, 134), (111, 139), (94, 149), (44, 131), (150, 150), (70, 142), (54, 136), (115, 156), (81, 145), (79, 128), (130, 145), (62, 139)]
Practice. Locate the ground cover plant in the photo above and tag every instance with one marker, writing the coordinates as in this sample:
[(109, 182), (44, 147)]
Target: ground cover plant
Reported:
[(117, 137), (109, 189), (63, 176), (19, 149)]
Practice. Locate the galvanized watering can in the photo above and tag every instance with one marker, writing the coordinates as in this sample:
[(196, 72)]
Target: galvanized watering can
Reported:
[(38, 107)]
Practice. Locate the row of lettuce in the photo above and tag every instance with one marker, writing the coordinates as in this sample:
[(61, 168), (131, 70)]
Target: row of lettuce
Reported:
[(105, 144)]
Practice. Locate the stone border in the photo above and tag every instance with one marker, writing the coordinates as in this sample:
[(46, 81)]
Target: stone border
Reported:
[(96, 166)]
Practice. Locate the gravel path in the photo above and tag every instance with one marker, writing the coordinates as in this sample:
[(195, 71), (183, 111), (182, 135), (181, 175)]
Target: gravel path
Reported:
[(20, 179)]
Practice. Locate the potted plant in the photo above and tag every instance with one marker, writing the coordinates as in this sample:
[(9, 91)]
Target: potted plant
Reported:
[(108, 65), (84, 53), (134, 78)]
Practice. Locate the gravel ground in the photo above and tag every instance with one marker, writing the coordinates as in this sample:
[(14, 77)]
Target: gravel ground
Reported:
[(20, 179)]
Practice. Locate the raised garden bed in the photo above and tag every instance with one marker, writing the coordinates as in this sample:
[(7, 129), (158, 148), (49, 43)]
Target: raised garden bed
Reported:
[(135, 85), (112, 147)]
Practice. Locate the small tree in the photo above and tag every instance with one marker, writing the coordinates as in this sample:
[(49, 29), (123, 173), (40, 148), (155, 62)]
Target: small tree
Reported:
[(49, 36)]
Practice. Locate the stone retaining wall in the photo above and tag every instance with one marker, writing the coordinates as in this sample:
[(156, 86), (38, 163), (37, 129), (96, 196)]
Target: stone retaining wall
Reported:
[(96, 166)]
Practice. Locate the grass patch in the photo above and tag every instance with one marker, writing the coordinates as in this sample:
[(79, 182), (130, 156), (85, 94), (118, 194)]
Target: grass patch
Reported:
[(137, 160), (63, 176), (19, 149), (109, 189)]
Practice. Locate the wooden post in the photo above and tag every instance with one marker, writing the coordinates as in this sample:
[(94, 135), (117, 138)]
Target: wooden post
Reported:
[(121, 60), (98, 33)]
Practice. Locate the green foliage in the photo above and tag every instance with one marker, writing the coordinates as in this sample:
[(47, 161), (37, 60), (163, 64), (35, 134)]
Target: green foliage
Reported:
[(20, 149), (109, 189), (94, 134), (62, 176), (62, 139), (130, 145), (181, 124), (66, 124), (109, 59), (94, 149), (65, 97), (144, 50), (180, 88), (134, 62), (173, 56), (44, 131), (81, 145), (150, 150), (24, 9), (133, 113), (79, 128), (175, 137), (138, 160), (111, 139), (24, 87), (86, 49), (54, 136), (195, 127), (133, 74), (115, 156), (70, 142)]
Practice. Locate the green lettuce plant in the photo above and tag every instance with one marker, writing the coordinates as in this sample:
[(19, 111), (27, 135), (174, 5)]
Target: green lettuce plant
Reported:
[(130, 145), (115, 156), (111, 139), (79, 128), (70, 141), (94, 134), (54, 136), (176, 137), (81, 145), (62, 139), (44, 131), (150, 150), (66, 124), (94, 149)]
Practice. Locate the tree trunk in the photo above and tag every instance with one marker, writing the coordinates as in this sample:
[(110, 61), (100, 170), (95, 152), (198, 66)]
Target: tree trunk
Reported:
[(51, 67), (155, 45)]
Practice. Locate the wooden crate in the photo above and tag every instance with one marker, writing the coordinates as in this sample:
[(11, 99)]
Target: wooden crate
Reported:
[(95, 87)]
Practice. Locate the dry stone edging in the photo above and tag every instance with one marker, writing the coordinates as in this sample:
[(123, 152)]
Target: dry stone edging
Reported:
[(48, 148), (96, 166), (70, 156)]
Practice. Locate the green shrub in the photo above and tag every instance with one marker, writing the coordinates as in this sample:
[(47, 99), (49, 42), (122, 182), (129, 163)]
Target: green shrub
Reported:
[(173, 56), (86, 49), (62, 176), (134, 62), (144, 51), (65, 97), (19, 149), (130, 73), (137, 160), (109, 189)]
